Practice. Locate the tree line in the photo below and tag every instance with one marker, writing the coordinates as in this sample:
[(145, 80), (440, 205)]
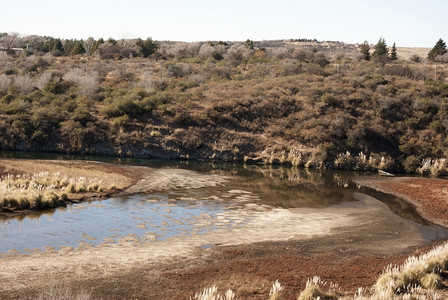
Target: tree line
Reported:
[(381, 52), (109, 48)]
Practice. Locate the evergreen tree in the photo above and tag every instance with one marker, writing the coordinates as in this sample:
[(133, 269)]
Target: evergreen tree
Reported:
[(380, 49), (393, 53), (78, 48), (249, 44), (438, 49), (147, 47), (57, 45), (96, 45), (365, 50)]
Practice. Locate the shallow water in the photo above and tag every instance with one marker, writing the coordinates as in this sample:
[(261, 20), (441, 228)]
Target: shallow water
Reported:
[(154, 217)]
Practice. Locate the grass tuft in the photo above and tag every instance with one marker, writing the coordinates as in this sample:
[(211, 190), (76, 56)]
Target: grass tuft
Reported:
[(41, 190)]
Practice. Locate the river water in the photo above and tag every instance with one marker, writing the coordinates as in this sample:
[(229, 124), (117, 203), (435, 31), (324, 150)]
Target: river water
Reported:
[(155, 217)]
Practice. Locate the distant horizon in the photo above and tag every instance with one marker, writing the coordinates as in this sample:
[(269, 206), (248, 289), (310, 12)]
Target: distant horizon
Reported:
[(410, 23), (215, 40)]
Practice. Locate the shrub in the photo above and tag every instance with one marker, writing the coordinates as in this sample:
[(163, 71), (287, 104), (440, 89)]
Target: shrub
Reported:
[(54, 87), (123, 106)]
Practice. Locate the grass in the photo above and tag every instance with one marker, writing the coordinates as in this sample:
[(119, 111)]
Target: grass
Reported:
[(42, 190), (419, 277), (62, 293)]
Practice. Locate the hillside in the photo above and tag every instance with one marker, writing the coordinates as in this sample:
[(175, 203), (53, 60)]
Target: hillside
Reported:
[(304, 103)]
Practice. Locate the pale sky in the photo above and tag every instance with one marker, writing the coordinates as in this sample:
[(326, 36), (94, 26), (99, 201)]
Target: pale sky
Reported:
[(411, 23)]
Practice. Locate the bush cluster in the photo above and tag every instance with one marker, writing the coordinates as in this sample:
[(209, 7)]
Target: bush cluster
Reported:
[(298, 103)]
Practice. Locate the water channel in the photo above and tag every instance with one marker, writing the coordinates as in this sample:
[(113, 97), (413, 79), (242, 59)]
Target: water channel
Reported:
[(157, 216)]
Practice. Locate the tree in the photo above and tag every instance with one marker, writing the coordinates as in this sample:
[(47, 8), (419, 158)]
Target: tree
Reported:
[(365, 50), (88, 45), (147, 47), (9, 40), (393, 53), (380, 49), (78, 48), (96, 45), (56, 47), (438, 49), (249, 44)]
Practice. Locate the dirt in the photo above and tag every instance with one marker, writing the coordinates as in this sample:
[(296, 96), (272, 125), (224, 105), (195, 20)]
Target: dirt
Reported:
[(340, 244)]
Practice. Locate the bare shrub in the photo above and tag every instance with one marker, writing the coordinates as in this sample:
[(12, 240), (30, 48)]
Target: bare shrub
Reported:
[(180, 49), (301, 55), (198, 79), (206, 51), (5, 82), (42, 80), (87, 83), (280, 52), (74, 74), (24, 83), (146, 81)]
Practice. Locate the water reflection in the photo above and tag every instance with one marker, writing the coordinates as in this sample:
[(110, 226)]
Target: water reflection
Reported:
[(158, 216)]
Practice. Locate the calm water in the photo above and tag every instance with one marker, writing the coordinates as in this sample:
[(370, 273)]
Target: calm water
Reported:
[(155, 217)]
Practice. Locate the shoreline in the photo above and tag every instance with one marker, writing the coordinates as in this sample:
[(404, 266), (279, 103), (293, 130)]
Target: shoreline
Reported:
[(247, 260), (428, 195)]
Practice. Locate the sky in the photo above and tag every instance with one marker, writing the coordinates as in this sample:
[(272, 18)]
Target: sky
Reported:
[(408, 23)]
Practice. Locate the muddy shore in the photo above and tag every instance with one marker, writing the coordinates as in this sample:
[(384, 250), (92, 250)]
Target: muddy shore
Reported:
[(276, 244)]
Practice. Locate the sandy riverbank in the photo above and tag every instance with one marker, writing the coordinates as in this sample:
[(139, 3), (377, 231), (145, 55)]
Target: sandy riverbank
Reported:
[(341, 243)]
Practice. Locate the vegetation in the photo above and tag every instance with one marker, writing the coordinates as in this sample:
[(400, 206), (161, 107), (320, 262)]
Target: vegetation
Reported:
[(438, 50), (418, 278), (365, 50), (303, 103), (393, 53), (41, 190)]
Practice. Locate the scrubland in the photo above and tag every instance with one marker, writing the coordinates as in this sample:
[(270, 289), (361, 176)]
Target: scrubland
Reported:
[(283, 102)]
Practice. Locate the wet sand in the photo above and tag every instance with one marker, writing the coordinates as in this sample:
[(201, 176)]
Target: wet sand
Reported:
[(341, 244)]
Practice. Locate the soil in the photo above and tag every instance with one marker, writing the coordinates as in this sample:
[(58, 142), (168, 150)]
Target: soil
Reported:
[(274, 244)]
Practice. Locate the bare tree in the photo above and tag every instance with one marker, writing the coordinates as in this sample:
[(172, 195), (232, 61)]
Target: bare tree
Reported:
[(88, 44), (9, 40)]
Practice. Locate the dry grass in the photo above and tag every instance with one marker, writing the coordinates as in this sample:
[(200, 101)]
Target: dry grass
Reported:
[(212, 294), (62, 293), (42, 190), (416, 272)]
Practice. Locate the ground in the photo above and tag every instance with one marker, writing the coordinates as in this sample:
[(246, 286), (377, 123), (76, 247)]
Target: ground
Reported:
[(248, 261)]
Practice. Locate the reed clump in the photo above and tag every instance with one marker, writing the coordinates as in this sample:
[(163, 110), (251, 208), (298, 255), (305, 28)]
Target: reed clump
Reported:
[(42, 190)]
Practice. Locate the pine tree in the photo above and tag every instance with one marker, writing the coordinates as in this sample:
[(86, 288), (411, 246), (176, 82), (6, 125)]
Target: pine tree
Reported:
[(147, 47), (380, 49), (249, 44), (393, 53), (438, 49), (365, 50), (78, 48)]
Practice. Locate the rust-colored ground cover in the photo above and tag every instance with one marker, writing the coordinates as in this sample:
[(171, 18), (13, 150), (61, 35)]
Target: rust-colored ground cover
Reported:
[(429, 195)]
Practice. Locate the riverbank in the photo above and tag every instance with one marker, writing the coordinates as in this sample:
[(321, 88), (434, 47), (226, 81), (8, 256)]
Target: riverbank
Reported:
[(342, 244), (108, 179), (429, 195)]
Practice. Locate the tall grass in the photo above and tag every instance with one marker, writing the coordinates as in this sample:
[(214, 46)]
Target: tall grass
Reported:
[(42, 190)]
